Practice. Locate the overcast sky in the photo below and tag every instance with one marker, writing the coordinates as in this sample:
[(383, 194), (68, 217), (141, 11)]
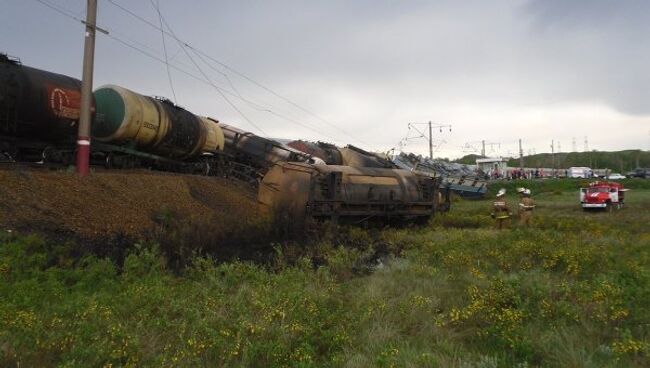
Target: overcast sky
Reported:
[(499, 71)]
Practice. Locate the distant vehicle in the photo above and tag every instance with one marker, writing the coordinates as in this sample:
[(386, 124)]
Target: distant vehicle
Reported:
[(616, 176), (603, 195), (640, 172), (579, 172)]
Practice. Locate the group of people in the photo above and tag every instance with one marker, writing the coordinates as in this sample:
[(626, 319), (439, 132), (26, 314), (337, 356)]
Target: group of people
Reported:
[(501, 213), (514, 174)]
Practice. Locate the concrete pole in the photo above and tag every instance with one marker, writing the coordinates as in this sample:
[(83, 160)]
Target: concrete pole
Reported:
[(521, 156), (83, 139), (430, 141), (483, 148), (553, 158)]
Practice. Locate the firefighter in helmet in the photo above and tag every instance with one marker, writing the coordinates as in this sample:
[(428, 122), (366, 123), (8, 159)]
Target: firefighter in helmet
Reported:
[(526, 207), (500, 210), (520, 192)]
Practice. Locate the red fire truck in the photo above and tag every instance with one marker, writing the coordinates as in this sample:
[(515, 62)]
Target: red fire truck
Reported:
[(602, 194)]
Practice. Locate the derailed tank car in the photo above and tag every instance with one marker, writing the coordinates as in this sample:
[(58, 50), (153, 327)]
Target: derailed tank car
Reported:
[(298, 191), (357, 157), (37, 108), (260, 152), (327, 152), (347, 156)]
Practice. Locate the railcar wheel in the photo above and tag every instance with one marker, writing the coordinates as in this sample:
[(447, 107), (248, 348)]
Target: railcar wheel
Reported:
[(206, 170), (48, 155), (109, 162), (6, 157)]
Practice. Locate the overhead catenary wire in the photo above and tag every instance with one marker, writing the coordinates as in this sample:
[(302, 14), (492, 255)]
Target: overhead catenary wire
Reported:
[(185, 46), (255, 105), (261, 108), (123, 42), (204, 78), (235, 71), (112, 36), (162, 34), (305, 110), (69, 14)]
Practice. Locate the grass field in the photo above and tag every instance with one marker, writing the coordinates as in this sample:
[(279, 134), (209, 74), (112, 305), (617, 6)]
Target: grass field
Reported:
[(571, 291)]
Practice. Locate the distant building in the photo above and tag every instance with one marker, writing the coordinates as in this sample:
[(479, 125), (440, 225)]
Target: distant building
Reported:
[(494, 167)]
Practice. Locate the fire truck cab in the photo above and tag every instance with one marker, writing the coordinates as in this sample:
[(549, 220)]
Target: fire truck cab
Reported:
[(602, 194)]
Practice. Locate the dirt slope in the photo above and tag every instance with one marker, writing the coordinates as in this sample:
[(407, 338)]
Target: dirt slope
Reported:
[(115, 202)]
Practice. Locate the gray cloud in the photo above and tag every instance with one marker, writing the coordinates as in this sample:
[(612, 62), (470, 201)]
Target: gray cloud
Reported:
[(537, 69)]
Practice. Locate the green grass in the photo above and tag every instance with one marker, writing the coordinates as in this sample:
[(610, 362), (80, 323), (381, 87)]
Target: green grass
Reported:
[(571, 291)]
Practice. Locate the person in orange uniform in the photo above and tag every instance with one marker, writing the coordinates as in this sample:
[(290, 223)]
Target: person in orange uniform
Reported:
[(500, 210), (526, 207)]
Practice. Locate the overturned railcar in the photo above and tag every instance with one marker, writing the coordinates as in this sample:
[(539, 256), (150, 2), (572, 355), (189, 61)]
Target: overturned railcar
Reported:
[(357, 157), (298, 191), (348, 156), (259, 152)]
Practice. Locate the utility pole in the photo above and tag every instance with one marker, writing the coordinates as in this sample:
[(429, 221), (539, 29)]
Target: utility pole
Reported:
[(553, 157), (83, 139), (483, 148), (422, 135), (521, 156), (573, 145), (430, 141)]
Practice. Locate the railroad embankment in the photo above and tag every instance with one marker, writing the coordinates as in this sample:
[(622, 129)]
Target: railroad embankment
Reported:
[(132, 204)]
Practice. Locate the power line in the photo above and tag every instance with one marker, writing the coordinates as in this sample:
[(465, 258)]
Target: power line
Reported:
[(59, 10), (205, 79), (69, 14), (251, 80), (162, 34), (259, 107), (119, 40), (184, 47), (278, 95)]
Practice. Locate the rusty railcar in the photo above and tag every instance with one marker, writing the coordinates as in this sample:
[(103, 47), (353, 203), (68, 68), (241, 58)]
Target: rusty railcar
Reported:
[(347, 156), (260, 152), (299, 191), (357, 157), (327, 152)]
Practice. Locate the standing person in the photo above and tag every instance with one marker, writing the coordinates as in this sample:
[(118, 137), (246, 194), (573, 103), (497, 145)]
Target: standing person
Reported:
[(526, 207), (500, 211)]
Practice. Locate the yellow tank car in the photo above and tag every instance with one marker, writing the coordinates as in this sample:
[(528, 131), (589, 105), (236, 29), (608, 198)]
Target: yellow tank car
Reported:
[(152, 125)]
